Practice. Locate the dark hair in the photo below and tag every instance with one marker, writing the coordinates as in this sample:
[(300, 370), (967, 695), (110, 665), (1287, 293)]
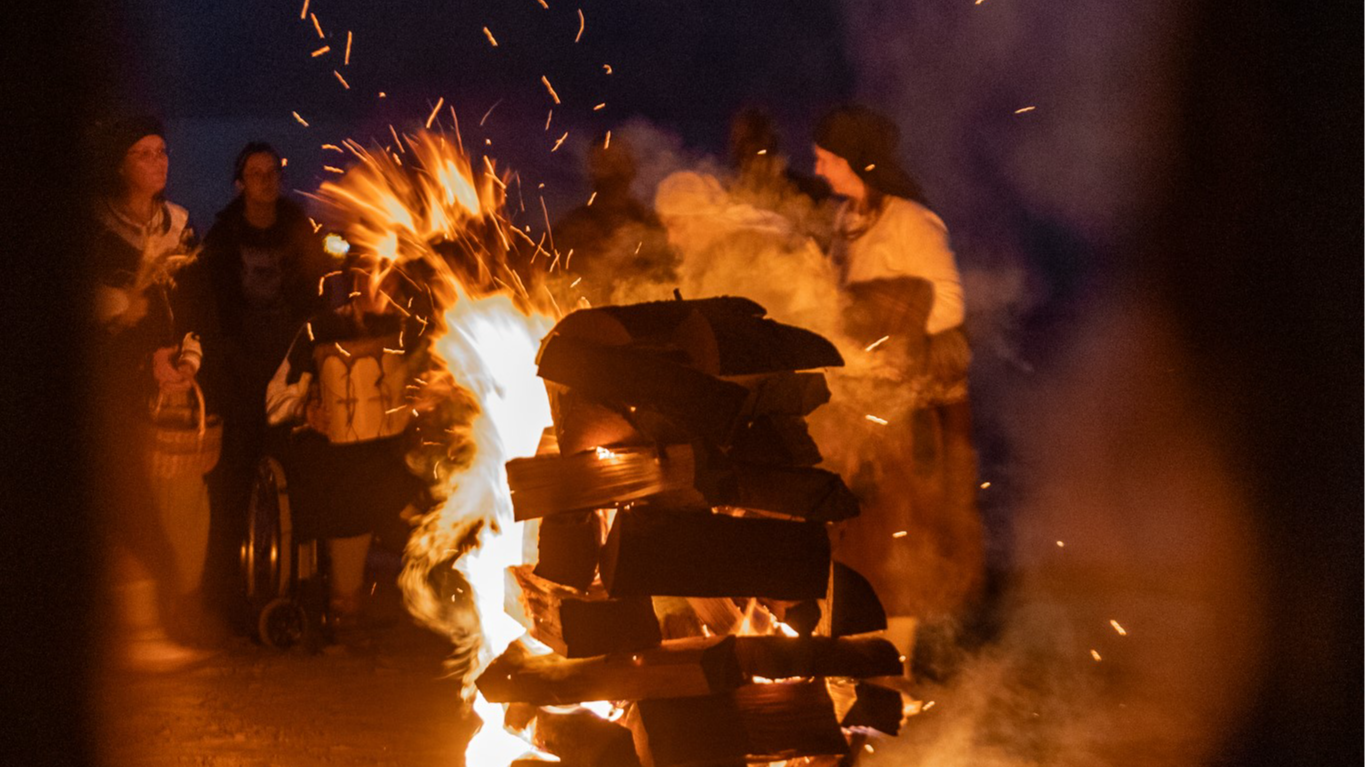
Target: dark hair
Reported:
[(255, 147)]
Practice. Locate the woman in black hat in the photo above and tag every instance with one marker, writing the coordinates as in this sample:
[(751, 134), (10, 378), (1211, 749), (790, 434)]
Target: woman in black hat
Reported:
[(145, 349), (919, 537)]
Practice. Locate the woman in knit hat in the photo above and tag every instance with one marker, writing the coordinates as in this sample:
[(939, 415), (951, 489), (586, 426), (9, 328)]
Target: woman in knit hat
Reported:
[(919, 538), (145, 348)]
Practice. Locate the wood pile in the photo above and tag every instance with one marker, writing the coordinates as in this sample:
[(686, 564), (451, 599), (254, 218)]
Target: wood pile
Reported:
[(681, 517)]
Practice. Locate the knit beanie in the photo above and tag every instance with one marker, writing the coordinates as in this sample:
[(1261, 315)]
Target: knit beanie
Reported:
[(867, 140)]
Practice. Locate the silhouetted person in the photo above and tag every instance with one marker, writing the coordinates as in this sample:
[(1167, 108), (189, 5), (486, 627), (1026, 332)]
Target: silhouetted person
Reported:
[(762, 176)]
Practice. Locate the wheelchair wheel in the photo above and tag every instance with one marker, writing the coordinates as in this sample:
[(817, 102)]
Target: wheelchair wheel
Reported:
[(283, 624), (267, 553)]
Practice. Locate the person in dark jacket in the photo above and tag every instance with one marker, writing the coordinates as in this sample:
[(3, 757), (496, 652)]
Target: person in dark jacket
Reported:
[(264, 262)]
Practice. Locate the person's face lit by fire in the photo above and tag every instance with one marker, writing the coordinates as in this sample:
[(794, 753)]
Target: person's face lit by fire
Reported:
[(836, 170), (145, 166), (260, 181)]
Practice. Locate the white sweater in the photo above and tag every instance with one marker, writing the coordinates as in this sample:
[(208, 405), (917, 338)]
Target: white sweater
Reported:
[(909, 240)]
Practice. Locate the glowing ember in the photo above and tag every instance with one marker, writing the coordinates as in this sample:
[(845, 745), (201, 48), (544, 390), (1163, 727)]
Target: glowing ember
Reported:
[(900, 534), (317, 24), (490, 37), (1023, 110), (1096, 655), (876, 343), (321, 50), (342, 80), (302, 121), (876, 420), (346, 61), (581, 24), (550, 88), (303, 14), (1118, 628)]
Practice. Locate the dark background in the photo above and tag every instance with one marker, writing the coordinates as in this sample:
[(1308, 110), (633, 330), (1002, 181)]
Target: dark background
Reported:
[(1257, 249)]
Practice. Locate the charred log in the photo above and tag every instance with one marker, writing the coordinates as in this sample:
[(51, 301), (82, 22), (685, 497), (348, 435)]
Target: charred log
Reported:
[(781, 657), (757, 722), (781, 440), (856, 608), (877, 707), (583, 738), (809, 493), (554, 484), (568, 548), (667, 552), (683, 667), (581, 625)]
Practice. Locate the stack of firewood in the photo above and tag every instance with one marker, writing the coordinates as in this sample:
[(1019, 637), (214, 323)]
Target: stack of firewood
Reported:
[(684, 569)]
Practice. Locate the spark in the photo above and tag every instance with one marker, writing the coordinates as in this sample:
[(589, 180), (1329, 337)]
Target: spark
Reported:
[(927, 706), (607, 67), (1061, 544), (303, 14), (591, 197), (869, 166), (548, 229), (317, 24), (1118, 628), (1025, 109), (544, 4), (550, 88), (607, 143), (900, 534), (560, 141), (869, 749), (568, 257), (309, 325), (876, 420), (431, 117), (302, 121), (985, 485), (875, 344), (344, 84), (383, 95), (548, 117), (284, 162), (321, 50), (333, 169), (338, 345), (574, 284), (346, 61), (599, 106), (334, 148), (397, 140), (581, 25), (489, 35), (1096, 655)]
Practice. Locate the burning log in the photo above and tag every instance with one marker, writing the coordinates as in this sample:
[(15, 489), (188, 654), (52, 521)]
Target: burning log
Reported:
[(694, 553), (877, 707), (781, 440), (809, 493), (781, 657), (681, 667), (582, 424), (582, 738), (757, 722), (583, 625), (553, 484), (797, 394), (856, 608), (569, 546), (628, 377)]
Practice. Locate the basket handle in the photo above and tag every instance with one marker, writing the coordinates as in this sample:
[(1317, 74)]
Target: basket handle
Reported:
[(198, 394)]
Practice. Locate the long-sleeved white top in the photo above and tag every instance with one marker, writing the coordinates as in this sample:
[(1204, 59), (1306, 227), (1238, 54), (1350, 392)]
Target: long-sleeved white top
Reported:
[(909, 240)]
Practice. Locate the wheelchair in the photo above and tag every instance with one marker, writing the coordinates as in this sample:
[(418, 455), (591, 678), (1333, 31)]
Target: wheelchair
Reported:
[(285, 577)]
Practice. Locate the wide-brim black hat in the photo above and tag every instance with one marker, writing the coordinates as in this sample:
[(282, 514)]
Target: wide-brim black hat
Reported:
[(867, 140)]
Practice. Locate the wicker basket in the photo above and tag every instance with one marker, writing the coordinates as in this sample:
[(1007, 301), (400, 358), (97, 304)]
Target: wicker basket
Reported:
[(184, 440)]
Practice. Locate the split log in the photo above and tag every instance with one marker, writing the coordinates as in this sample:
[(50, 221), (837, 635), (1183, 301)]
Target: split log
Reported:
[(623, 377), (667, 552), (796, 394), (583, 738), (856, 608), (781, 657), (554, 484), (681, 667), (877, 707), (581, 423), (721, 614), (780, 440), (568, 547), (809, 493), (677, 619), (581, 625), (757, 722)]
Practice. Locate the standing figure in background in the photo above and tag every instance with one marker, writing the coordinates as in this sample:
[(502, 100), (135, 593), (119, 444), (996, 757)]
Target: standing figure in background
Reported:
[(264, 262), (344, 388), (146, 351), (919, 539), (762, 177), (613, 237)]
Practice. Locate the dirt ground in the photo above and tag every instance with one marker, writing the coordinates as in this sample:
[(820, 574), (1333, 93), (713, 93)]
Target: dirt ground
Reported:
[(378, 698)]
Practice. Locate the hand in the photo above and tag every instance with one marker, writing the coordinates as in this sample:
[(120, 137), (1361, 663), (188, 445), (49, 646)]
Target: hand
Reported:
[(171, 378)]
